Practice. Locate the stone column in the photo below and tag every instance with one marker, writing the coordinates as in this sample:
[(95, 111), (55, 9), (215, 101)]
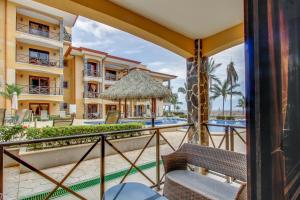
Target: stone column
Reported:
[(197, 104)]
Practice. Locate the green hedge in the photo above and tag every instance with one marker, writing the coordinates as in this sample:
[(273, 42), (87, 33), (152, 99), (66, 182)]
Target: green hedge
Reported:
[(225, 117), (47, 132), (9, 132)]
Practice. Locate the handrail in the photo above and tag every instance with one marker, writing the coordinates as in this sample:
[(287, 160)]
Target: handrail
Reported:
[(22, 142), (155, 132), (25, 58), (224, 125), (46, 34), (45, 90), (92, 73), (89, 94)]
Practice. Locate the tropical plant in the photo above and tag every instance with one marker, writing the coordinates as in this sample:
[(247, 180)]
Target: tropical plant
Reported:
[(232, 78), (241, 103), (211, 68), (223, 89), (10, 89), (174, 101), (183, 90)]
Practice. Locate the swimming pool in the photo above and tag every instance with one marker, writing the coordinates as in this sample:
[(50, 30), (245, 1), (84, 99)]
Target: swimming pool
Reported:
[(241, 123), (158, 121), (173, 120)]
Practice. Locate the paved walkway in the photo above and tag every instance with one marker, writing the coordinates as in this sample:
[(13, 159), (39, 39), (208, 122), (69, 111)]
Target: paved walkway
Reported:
[(86, 176)]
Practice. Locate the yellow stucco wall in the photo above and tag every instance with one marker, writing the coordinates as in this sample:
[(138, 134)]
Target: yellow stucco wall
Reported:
[(69, 76), (79, 87), (53, 106)]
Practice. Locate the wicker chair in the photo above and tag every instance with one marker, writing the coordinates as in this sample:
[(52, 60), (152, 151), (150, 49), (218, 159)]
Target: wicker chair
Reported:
[(181, 184)]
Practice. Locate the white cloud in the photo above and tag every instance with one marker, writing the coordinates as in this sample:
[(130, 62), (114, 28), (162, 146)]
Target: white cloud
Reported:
[(100, 31)]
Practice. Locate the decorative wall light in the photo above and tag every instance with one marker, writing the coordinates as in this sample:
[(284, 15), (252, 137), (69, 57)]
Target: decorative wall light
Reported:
[(54, 54), (21, 75), (21, 19), (21, 47)]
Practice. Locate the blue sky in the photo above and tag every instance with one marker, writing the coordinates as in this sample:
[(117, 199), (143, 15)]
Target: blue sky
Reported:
[(91, 34)]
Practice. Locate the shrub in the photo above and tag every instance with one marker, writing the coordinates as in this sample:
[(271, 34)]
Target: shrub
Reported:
[(8, 133), (220, 117), (183, 116), (47, 132)]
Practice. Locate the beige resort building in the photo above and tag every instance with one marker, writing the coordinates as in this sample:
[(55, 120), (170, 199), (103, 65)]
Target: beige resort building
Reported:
[(40, 58)]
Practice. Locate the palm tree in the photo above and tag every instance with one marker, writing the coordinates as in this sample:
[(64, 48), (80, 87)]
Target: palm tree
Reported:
[(232, 78), (241, 103), (174, 101), (223, 89), (183, 90), (211, 67), (10, 89)]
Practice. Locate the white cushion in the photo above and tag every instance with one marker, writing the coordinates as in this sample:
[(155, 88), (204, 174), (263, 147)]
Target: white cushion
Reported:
[(206, 186)]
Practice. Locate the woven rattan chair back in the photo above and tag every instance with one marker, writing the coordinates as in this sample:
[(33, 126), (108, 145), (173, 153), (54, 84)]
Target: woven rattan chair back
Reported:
[(229, 163)]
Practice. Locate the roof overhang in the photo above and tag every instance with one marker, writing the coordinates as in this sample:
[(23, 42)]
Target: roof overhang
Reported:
[(224, 34)]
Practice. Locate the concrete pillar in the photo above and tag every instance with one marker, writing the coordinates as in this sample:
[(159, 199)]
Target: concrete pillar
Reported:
[(61, 84), (61, 57), (61, 28), (85, 62), (85, 111)]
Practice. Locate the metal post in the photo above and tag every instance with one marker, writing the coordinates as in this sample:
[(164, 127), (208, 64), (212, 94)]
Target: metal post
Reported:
[(231, 139), (1, 172), (226, 138), (102, 165), (227, 146), (157, 159)]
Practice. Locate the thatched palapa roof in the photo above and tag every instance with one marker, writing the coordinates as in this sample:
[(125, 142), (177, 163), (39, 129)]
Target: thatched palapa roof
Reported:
[(136, 85)]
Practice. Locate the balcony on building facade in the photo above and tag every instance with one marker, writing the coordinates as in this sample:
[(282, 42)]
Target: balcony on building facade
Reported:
[(92, 73), (25, 58), (41, 90), (91, 94), (110, 75), (38, 30), (44, 93)]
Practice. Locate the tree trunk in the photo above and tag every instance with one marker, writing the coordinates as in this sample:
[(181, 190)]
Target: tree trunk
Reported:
[(230, 98), (223, 106)]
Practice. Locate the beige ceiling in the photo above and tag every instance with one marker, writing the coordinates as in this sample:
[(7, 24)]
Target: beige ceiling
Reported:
[(211, 16)]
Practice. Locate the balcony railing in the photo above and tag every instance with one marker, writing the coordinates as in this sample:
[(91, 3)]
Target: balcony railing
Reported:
[(158, 134), (41, 90), (23, 58), (89, 94), (110, 77), (47, 34), (106, 142), (92, 73)]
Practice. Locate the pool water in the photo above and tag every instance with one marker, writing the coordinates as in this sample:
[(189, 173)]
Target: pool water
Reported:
[(172, 121), (241, 123)]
